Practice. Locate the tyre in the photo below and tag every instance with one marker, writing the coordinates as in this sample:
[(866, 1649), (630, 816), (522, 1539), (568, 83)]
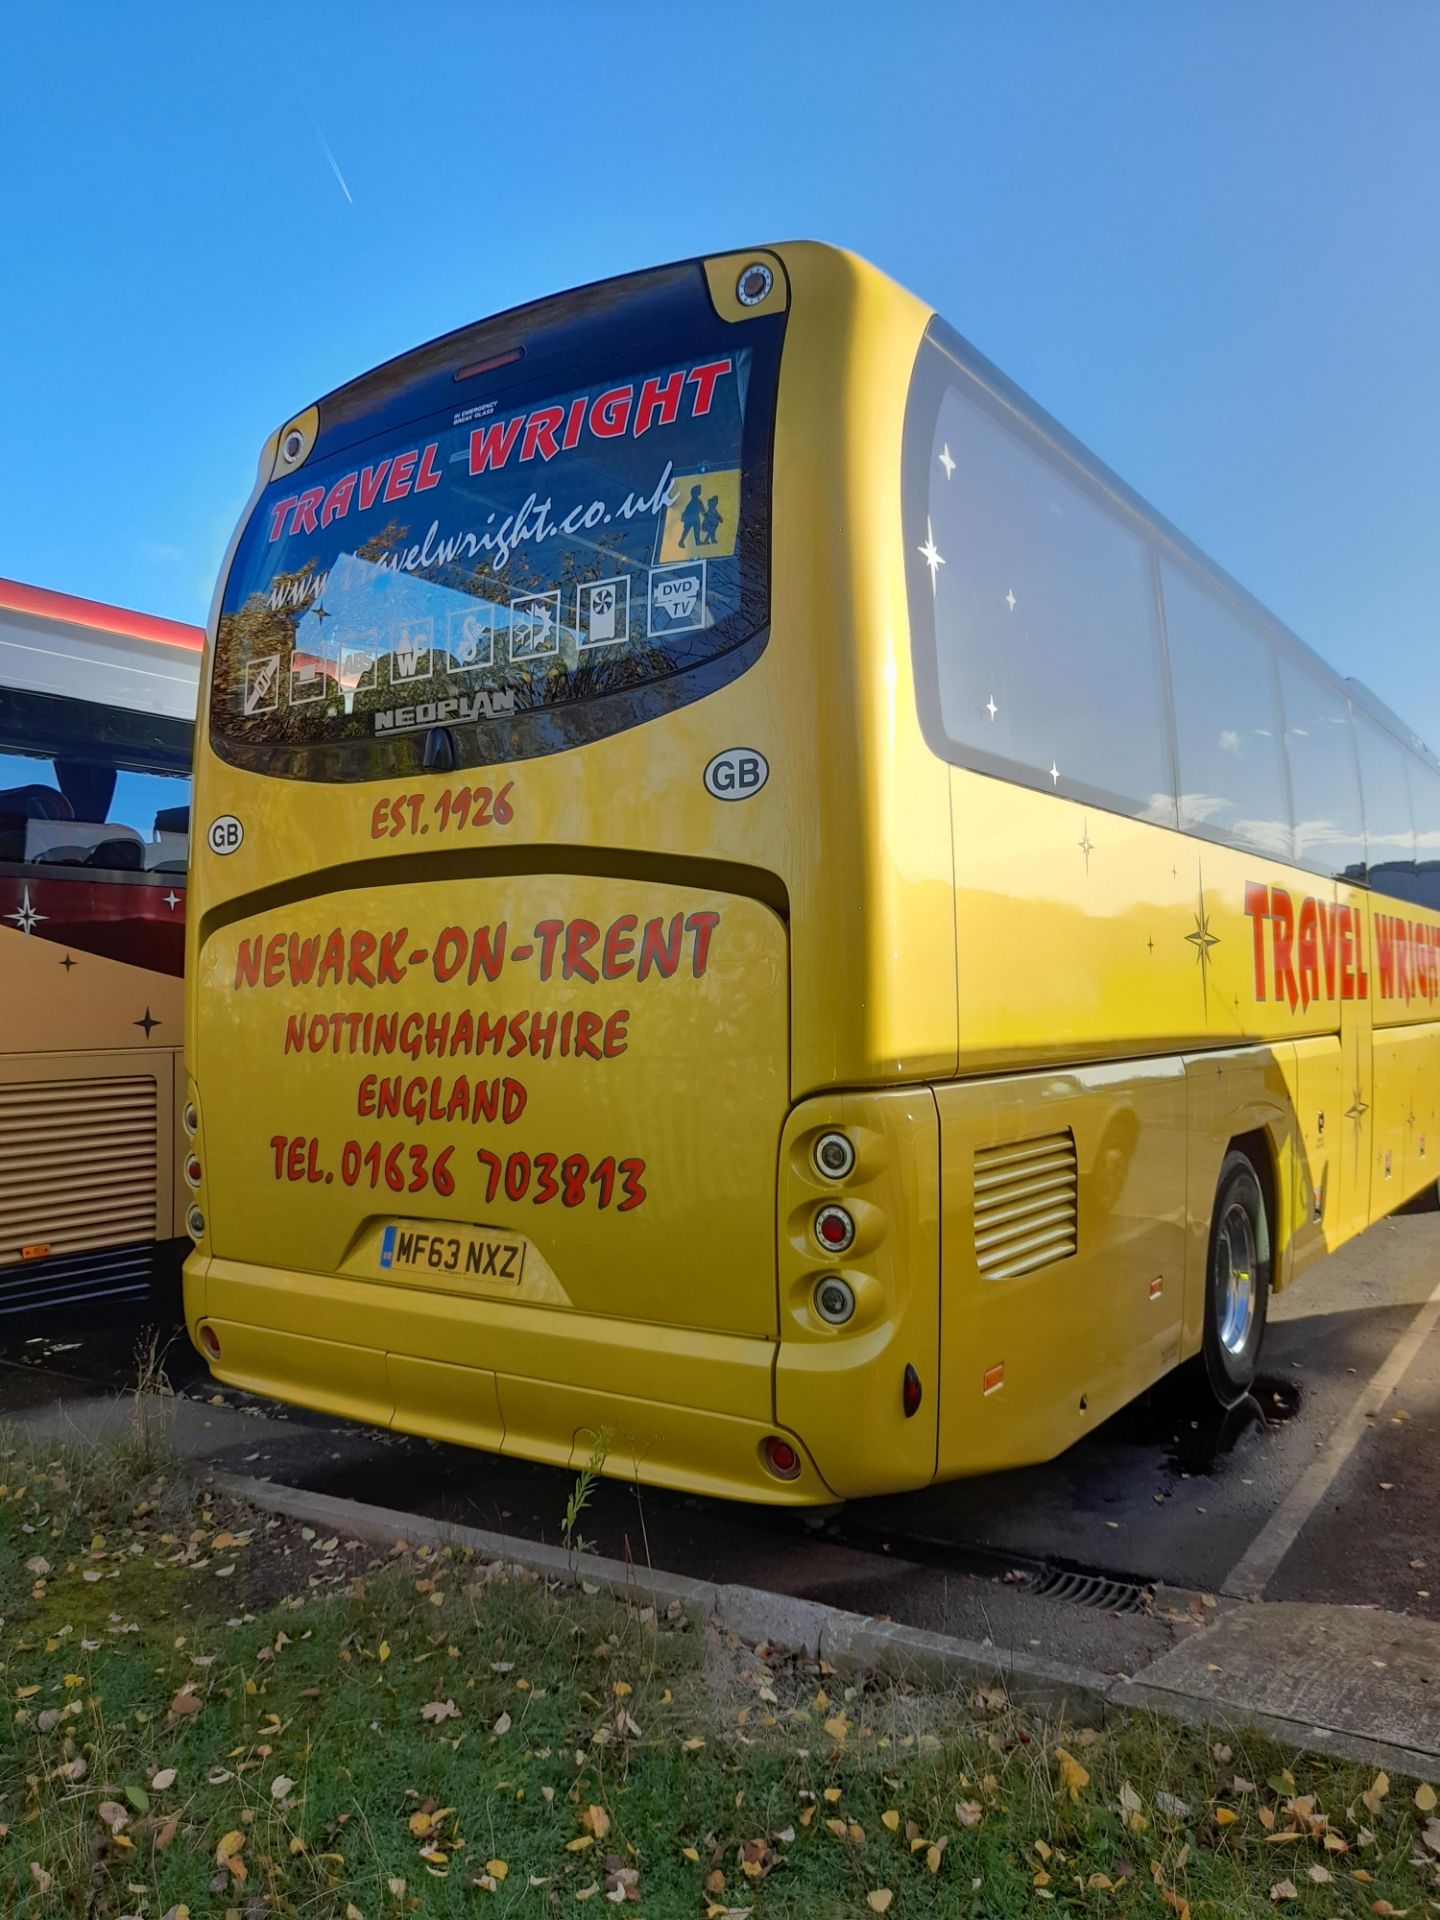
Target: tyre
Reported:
[(1237, 1282)]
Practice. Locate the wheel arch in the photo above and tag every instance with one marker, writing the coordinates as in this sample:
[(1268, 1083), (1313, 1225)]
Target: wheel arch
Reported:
[(1260, 1150)]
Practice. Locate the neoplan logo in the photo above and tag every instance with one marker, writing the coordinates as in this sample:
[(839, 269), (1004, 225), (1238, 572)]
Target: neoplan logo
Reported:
[(737, 773)]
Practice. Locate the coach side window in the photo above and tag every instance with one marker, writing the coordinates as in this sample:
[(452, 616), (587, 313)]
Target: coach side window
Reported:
[(1389, 831), (1324, 780), (1232, 772), (1425, 807), (1037, 655)]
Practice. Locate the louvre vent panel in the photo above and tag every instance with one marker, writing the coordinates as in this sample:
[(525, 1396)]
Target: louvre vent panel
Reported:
[(1025, 1205), (79, 1164)]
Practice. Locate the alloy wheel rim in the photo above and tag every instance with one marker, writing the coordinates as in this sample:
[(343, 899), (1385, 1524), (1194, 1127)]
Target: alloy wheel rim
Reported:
[(1237, 1258)]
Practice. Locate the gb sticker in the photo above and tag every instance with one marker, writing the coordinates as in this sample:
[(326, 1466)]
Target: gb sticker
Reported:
[(736, 773), (225, 834)]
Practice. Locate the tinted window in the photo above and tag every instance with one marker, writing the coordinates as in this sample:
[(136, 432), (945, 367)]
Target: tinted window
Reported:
[(1324, 784), (526, 565), (1031, 607), (1389, 833), (90, 819), (1425, 809), (1232, 776)]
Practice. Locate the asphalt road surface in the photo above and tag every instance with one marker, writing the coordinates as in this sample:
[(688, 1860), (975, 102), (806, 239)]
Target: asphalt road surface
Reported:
[(1326, 1487)]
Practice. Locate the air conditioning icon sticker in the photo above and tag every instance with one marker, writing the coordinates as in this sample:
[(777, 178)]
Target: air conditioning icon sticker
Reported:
[(677, 599)]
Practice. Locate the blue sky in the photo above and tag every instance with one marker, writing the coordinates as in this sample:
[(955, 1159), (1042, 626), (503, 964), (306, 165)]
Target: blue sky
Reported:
[(1202, 236)]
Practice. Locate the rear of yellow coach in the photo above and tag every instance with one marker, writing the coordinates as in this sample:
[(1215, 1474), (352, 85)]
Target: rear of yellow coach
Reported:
[(572, 936)]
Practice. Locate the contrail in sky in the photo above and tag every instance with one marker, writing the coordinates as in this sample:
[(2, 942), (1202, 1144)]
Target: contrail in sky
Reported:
[(334, 164)]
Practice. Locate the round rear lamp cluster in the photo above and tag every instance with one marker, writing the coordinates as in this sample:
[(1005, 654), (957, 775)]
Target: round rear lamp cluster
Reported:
[(781, 1458), (834, 1300), (834, 1229), (834, 1156), (754, 283)]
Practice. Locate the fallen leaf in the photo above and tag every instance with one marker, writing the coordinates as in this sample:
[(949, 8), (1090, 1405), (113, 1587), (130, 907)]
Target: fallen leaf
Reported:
[(502, 1725), (1322, 1876), (437, 1710), (1072, 1775), (113, 1814), (499, 1868), (40, 1877), (227, 1854), (935, 1854), (1425, 1799), (186, 1700), (1376, 1792), (163, 1780), (596, 1821), (879, 1900), (579, 1845), (890, 1820), (1283, 1890), (1225, 1816), (1172, 1804), (384, 1651), (969, 1812)]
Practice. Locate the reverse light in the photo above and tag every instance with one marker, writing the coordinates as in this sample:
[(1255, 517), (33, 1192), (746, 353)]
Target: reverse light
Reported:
[(834, 1229), (781, 1458), (192, 1169), (911, 1393), (834, 1156), (834, 1300), (195, 1224), (191, 1119)]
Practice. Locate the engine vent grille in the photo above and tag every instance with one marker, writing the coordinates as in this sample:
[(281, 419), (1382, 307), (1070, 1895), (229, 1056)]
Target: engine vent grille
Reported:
[(79, 1164), (1025, 1215)]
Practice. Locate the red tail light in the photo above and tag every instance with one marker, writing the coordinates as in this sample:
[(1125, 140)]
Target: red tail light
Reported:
[(911, 1393), (781, 1458)]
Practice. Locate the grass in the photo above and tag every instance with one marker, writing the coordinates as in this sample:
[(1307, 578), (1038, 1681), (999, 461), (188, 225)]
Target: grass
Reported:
[(210, 1709)]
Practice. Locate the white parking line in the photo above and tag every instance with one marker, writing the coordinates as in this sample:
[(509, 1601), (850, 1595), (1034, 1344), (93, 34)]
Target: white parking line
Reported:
[(1252, 1573)]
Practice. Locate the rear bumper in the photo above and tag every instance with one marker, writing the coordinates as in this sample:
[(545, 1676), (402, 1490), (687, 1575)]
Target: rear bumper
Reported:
[(682, 1408)]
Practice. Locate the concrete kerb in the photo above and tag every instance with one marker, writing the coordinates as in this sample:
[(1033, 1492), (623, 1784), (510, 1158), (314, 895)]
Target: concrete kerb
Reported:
[(1135, 1696), (852, 1644)]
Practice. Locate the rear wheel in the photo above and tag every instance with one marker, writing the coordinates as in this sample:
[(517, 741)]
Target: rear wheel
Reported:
[(1237, 1289)]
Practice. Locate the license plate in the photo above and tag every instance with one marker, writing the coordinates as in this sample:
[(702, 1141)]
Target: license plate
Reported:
[(456, 1253)]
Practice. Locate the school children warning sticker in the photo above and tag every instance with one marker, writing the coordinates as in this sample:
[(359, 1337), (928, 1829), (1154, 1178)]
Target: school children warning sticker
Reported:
[(702, 517)]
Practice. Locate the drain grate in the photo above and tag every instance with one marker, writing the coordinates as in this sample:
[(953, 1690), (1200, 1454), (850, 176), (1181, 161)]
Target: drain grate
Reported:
[(1090, 1590)]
